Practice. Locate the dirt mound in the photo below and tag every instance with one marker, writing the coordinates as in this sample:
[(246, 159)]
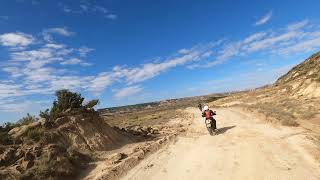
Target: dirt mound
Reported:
[(88, 132), (61, 149)]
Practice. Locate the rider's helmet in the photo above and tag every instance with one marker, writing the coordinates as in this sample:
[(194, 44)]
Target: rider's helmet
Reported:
[(205, 108)]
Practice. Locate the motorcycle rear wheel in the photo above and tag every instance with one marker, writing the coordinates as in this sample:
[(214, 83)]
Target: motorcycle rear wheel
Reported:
[(210, 131)]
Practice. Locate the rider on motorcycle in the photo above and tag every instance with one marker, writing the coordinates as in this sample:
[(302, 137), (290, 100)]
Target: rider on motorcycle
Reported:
[(208, 114), (200, 106)]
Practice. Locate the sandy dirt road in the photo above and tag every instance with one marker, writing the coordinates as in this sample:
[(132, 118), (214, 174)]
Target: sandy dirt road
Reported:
[(245, 148)]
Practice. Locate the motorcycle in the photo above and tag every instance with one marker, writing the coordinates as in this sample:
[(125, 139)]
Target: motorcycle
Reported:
[(209, 125)]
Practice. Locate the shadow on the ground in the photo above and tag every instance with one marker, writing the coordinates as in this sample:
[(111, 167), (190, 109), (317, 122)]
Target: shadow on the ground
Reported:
[(224, 129)]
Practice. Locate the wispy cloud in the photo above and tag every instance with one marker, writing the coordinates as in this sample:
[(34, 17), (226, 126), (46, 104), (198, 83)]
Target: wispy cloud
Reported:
[(62, 31), (87, 7), (101, 81), (151, 70), (4, 18), (298, 25), (111, 16), (299, 37), (264, 19), (41, 67), (127, 91), (83, 51), (75, 61), (36, 70)]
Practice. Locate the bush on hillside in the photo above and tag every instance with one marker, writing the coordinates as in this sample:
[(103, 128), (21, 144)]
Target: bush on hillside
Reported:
[(92, 103), (65, 101), (27, 120), (5, 138), (35, 133)]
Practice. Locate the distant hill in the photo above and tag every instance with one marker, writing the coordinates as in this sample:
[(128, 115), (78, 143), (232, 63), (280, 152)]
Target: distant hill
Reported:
[(165, 104)]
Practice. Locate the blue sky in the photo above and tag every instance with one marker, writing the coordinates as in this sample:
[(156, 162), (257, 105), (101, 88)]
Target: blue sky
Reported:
[(126, 52)]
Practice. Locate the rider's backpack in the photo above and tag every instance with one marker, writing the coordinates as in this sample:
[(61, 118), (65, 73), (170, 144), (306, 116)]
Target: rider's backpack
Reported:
[(207, 114)]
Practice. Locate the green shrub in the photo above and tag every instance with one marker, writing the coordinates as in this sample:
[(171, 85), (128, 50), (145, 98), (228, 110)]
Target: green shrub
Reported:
[(45, 114), (35, 133), (5, 138), (27, 120), (66, 100), (92, 103), (288, 122)]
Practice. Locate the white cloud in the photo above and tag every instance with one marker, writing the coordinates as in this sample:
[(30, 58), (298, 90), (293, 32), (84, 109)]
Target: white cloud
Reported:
[(71, 61), (298, 25), (86, 7), (75, 61), (10, 90), (183, 51), (37, 70), (54, 46), (264, 19), (150, 70), (32, 55), (16, 39), (15, 106), (39, 75), (254, 37), (127, 91), (62, 31), (100, 82), (271, 41), (299, 37), (83, 51), (42, 68), (111, 16), (68, 82), (21, 106), (14, 71), (304, 46)]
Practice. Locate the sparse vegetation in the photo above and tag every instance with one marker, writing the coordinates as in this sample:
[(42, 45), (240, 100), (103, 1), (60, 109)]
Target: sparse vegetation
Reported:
[(45, 151), (66, 101), (142, 118), (92, 103), (27, 120), (60, 163), (5, 138), (287, 122), (35, 133)]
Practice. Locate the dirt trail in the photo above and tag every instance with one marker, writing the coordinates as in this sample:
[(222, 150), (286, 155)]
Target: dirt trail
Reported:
[(245, 148)]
